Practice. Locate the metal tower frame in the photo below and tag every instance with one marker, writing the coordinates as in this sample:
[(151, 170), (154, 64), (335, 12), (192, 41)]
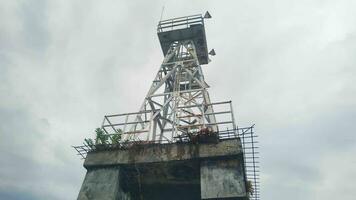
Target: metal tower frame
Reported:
[(177, 105)]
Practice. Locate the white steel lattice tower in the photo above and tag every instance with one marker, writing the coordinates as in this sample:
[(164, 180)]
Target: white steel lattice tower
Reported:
[(177, 106), (203, 155)]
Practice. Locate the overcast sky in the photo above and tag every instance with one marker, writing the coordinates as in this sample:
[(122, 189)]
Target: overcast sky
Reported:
[(288, 66)]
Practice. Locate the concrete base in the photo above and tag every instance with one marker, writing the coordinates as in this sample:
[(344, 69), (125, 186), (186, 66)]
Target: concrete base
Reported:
[(102, 184), (222, 179), (171, 171)]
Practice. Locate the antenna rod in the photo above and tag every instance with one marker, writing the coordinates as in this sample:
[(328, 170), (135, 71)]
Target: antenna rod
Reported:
[(162, 13)]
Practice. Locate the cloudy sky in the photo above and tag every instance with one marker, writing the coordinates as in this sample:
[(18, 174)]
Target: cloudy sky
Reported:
[(288, 66)]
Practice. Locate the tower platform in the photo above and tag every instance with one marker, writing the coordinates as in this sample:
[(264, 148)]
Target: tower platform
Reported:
[(184, 28), (170, 171)]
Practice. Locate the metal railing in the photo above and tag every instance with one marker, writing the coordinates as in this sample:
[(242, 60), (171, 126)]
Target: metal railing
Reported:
[(138, 123), (179, 23), (251, 160)]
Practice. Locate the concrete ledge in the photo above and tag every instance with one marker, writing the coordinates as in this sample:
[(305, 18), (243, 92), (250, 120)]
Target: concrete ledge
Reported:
[(163, 153)]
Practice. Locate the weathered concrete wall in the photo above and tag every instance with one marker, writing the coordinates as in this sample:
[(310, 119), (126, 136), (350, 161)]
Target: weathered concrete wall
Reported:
[(154, 172), (163, 153), (222, 179), (102, 184)]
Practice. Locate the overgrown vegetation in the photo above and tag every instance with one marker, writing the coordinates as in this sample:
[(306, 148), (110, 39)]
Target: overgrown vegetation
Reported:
[(249, 188), (115, 139), (102, 138)]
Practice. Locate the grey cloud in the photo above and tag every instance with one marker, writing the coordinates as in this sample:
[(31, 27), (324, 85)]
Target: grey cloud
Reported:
[(35, 25), (14, 194)]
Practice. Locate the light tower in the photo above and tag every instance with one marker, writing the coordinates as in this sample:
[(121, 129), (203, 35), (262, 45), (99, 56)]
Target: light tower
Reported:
[(178, 140), (177, 104)]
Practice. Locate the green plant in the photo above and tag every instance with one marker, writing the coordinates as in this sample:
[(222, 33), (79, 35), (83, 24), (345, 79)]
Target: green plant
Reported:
[(101, 137), (249, 188), (116, 138)]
